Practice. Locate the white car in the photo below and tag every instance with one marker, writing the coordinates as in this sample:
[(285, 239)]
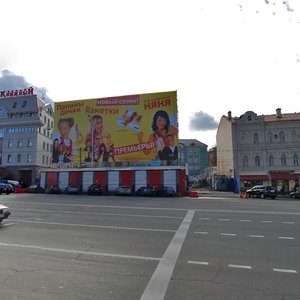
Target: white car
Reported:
[(4, 212), (123, 190)]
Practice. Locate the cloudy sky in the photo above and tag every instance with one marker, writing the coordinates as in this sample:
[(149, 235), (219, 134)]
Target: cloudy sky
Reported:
[(235, 55)]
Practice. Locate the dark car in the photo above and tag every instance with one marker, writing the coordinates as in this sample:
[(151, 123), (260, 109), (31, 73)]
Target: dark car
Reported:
[(166, 191), (123, 190), (53, 189), (35, 189), (95, 189), (146, 191), (6, 188), (72, 189), (295, 194), (262, 191)]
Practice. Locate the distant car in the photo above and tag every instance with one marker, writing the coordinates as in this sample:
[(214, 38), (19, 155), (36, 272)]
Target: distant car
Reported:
[(6, 188), (72, 189), (15, 184), (123, 190), (4, 212), (95, 189), (262, 191), (146, 191), (35, 189), (166, 191), (53, 189), (295, 194)]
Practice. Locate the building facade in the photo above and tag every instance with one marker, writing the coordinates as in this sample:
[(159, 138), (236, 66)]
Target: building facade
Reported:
[(194, 154), (26, 124), (260, 149)]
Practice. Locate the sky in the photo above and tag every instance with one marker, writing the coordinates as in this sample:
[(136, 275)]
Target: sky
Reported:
[(220, 56)]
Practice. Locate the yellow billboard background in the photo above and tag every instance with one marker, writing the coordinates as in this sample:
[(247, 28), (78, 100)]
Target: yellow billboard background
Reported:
[(116, 129)]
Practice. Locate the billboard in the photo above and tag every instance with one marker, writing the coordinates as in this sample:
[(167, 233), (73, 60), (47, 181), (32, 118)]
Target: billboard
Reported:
[(116, 129)]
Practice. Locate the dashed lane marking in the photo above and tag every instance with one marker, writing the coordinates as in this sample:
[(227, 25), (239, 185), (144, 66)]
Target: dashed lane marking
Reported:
[(285, 270), (240, 267), (227, 234), (203, 263), (286, 237), (256, 236)]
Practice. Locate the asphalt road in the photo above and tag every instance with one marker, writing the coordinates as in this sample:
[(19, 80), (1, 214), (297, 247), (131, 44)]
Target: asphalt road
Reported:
[(98, 247)]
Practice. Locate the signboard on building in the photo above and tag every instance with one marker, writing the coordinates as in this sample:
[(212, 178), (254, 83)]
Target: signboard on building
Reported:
[(116, 129)]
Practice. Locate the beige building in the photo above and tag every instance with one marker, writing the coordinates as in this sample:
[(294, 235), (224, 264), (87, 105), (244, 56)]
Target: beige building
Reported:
[(260, 149)]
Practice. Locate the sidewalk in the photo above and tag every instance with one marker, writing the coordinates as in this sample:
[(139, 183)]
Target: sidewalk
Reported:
[(227, 194)]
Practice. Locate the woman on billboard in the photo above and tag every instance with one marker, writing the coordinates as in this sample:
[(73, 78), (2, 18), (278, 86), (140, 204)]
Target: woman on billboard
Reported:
[(164, 136)]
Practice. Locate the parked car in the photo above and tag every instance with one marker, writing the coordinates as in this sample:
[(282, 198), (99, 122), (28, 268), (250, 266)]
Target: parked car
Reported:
[(123, 190), (72, 189), (95, 189), (262, 191), (6, 188), (146, 191), (166, 191), (35, 189), (53, 189), (295, 194), (4, 212), (15, 184)]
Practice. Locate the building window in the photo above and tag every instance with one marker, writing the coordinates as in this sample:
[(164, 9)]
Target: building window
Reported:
[(281, 137), (271, 160), (270, 138), (257, 161), (10, 144), (296, 160), (245, 161), (44, 145), (29, 143), (47, 147), (294, 135), (20, 143), (255, 138), (24, 103), (19, 158), (47, 160), (29, 157), (9, 158), (3, 113), (283, 160), (15, 105), (43, 159)]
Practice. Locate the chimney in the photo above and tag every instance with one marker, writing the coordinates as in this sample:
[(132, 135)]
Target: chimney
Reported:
[(278, 113), (229, 115)]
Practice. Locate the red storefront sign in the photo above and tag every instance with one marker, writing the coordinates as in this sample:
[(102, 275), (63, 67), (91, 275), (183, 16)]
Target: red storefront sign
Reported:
[(15, 93), (284, 176), (254, 177)]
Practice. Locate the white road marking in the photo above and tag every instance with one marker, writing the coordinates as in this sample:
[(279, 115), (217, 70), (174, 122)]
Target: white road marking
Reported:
[(78, 252), (228, 234), (96, 213), (256, 236), (225, 220), (201, 232), (240, 266), (286, 237), (160, 279), (266, 221), (288, 222), (285, 270), (6, 224), (95, 226), (204, 263)]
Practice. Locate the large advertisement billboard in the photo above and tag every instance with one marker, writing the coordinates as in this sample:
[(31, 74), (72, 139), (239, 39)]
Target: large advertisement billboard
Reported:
[(116, 129)]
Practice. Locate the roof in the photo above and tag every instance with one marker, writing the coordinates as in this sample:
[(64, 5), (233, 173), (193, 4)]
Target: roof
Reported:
[(192, 142), (284, 117)]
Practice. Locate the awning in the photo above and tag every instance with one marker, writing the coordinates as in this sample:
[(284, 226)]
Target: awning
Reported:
[(284, 176), (254, 177)]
